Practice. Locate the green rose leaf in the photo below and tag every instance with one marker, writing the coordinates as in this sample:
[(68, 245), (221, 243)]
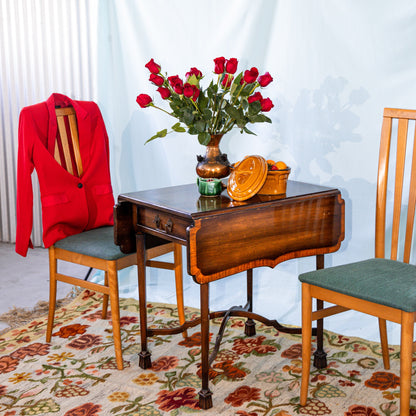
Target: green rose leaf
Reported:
[(193, 80), (204, 138), (212, 90), (161, 133), (188, 117), (248, 131), (259, 118), (236, 86), (247, 90), (200, 126), (207, 114), (203, 101), (254, 108), (192, 130), (178, 128), (235, 113)]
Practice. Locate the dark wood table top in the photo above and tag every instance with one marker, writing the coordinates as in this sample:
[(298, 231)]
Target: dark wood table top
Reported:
[(224, 236), (186, 200)]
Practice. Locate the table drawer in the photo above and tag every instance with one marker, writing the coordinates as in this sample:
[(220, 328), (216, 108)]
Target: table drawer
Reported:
[(162, 223)]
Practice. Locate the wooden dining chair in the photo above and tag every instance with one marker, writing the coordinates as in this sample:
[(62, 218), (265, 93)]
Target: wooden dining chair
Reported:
[(96, 248), (384, 286)]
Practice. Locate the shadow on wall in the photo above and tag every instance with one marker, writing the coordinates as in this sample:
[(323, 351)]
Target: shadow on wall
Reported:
[(321, 121), (316, 125)]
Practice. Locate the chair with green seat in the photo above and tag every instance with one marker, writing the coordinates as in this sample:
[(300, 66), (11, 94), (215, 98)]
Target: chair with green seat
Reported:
[(96, 248), (384, 286)]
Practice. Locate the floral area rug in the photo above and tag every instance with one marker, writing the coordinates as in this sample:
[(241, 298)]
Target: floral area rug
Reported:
[(76, 375)]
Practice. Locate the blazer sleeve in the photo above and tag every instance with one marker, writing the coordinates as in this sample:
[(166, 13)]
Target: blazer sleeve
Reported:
[(25, 166)]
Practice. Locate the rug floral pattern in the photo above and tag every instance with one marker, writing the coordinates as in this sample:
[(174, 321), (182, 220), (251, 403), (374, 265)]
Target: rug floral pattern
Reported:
[(76, 375)]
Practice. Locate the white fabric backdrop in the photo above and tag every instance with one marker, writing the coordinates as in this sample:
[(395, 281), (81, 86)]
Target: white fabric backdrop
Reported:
[(45, 46), (336, 65)]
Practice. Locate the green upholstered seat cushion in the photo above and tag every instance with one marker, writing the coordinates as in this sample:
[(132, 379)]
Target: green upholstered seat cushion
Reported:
[(98, 242), (387, 282)]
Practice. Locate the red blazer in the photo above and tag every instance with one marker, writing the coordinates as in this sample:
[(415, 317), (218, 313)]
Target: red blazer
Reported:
[(70, 204)]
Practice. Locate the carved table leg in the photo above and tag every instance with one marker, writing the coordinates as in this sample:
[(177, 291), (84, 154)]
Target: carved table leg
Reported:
[(144, 356), (205, 395), (250, 325), (319, 356)]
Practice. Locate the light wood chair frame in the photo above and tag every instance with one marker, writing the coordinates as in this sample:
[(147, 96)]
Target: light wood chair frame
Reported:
[(344, 302), (110, 267)]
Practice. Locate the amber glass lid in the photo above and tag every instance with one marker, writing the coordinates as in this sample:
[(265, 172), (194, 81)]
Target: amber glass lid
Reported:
[(247, 177)]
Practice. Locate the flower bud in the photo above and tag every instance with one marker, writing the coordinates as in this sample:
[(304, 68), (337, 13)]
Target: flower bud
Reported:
[(153, 67), (144, 100)]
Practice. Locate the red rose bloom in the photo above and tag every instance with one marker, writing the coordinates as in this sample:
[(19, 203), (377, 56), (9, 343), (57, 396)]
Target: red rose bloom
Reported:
[(176, 83), (231, 65), (219, 65), (156, 79), (188, 91), (144, 100), (153, 67), (251, 75), (191, 91), (265, 80), (266, 104), (196, 93), (175, 80), (178, 88), (255, 97), (194, 71), (164, 92), (227, 81)]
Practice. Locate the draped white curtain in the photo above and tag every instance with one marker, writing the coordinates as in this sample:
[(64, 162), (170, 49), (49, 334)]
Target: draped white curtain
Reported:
[(336, 65), (46, 46)]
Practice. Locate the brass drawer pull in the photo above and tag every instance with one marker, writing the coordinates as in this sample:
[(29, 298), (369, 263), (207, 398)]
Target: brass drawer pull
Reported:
[(157, 221), (169, 226)]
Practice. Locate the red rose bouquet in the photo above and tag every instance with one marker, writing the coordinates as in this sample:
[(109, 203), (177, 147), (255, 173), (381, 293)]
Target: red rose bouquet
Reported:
[(231, 101)]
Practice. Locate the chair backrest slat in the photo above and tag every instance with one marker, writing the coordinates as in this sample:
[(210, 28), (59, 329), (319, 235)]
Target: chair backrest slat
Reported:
[(411, 207), (383, 164), (70, 144), (65, 144), (398, 184), (75, 142), (402, 116)]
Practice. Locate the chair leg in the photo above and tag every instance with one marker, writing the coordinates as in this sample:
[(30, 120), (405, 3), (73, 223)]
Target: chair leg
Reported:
[(406, 349), (384, 343), (52, 292), (319, 356), (115, 312), (177, 259), (306, 341), (105, 298)]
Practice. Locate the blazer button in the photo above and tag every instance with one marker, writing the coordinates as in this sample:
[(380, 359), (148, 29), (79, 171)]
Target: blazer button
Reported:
[(80, 185)]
